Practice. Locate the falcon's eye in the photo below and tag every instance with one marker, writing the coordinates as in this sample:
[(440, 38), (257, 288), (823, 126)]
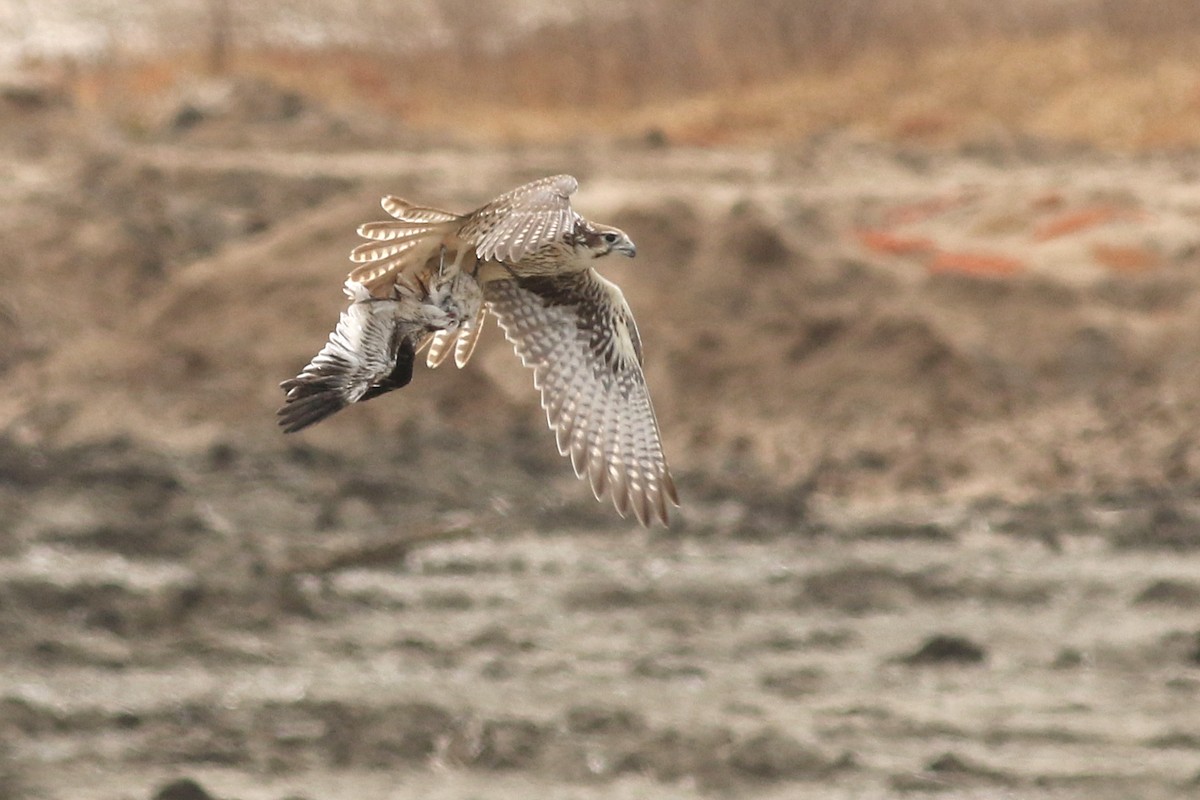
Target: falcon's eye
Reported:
[(611, 238)]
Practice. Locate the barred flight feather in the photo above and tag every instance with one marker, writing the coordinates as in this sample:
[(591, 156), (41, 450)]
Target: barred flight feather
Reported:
[(576, 332), (403, 210)]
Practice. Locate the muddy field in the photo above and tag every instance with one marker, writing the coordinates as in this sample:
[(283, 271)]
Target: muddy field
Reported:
[(933, 417)]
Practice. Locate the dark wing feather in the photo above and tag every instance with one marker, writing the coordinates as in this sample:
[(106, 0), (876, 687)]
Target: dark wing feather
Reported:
[(401, 374), (577, 333), (367, 354)]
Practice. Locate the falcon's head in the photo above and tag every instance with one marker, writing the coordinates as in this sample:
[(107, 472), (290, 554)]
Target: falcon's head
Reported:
[(601, 240)]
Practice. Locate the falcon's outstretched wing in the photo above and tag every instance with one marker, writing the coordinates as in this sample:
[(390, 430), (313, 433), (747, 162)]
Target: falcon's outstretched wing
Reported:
[(577, 333), (509, 228), (517, 223)]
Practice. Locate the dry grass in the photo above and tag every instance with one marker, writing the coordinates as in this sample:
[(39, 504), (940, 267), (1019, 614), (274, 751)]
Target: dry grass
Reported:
[(1113, 73)]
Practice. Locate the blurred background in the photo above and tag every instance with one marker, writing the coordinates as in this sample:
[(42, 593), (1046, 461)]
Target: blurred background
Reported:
[(918, 286)]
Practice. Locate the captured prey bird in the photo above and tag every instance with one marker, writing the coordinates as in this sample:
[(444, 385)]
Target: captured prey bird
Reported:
[(373, 347), (534, 259)]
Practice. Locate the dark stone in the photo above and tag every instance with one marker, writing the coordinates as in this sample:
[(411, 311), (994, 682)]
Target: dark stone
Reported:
[(182, 789), (771, 754), (1166, 592), (944, 649), (187, 118), (598, 719)]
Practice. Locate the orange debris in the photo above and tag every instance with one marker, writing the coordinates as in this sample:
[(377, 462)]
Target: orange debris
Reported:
[(924, 209), (1126, 258), (890, 244), (1075, 221), (980, 264)]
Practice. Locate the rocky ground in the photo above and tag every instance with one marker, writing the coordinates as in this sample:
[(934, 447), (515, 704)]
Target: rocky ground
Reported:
[(933, 416)]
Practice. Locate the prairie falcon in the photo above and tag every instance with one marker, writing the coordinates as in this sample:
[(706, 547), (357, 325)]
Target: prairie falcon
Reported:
[(534, 258)]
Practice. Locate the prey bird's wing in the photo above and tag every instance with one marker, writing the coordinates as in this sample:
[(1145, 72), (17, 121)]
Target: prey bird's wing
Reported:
[(577, 333), (517, 223), (367, 354)]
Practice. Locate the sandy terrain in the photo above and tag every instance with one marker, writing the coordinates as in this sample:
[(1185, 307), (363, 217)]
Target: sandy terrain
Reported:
[(933, 417)]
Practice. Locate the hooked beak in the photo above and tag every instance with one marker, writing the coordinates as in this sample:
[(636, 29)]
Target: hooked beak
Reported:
[(625, 247)]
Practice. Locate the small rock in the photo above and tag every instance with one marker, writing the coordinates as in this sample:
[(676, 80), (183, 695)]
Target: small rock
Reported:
[(671, 755), (648, 667), (944, 649), (182, 789), (906, 532), (655, 138), (1182, 594), (954, 765), (497, 669), (1068, 658), (1194, 655), (772, 755), (449, 600), (949, 762), (860, 588), (792, 682), (509, 743), (1165, 527), (500, 640), (598, 719), (188, 116)]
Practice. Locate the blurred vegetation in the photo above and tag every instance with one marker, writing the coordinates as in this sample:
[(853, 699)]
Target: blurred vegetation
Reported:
[(1113, 73)]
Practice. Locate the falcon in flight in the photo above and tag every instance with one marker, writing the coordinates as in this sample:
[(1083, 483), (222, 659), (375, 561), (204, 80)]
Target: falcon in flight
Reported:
[(534, 259)]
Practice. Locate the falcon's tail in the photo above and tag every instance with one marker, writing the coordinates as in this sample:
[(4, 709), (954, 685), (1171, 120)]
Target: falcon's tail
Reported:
[(399, 260), (399, 249), (405, 211)]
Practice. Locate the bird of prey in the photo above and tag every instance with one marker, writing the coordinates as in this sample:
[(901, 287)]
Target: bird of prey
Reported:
[(534, 258), (372, 349)]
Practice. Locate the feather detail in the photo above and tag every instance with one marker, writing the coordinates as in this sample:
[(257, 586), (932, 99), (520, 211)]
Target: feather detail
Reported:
[(389, 230), (518, 223), (375, 251), (440, 346), (468, 338), (405, 211), (576, 332)]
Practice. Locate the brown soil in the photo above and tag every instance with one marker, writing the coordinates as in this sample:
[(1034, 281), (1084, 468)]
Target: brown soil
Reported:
[(939, 530)]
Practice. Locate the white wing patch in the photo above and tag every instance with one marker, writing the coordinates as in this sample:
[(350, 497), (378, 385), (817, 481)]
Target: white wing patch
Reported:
[(577, 333)]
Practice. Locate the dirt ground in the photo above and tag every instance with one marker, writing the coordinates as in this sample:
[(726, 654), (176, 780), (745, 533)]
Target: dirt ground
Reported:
[(933, 416)]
